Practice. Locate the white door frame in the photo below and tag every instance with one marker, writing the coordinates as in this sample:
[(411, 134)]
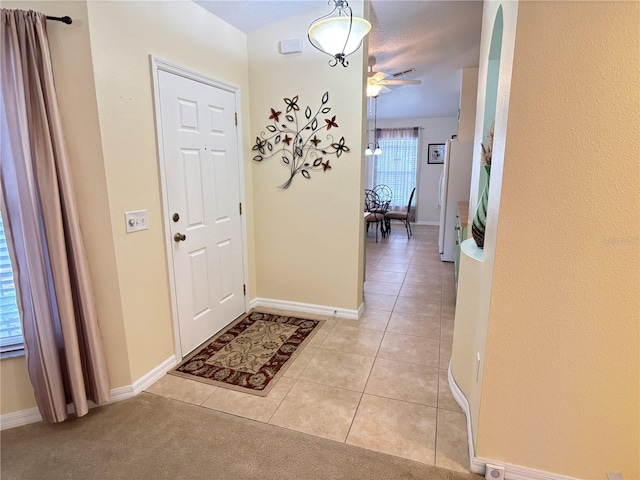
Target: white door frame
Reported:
[(158, 65)]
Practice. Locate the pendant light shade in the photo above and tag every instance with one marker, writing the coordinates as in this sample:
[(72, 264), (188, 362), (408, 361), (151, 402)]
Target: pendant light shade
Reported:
[(373, 150), (338, 36), (334, 37)]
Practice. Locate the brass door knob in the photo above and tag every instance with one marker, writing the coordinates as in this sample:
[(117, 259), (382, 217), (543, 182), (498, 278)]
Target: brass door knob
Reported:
[(179, 237)]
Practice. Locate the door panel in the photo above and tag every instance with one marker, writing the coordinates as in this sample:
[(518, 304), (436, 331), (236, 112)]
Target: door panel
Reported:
[(203, 188)]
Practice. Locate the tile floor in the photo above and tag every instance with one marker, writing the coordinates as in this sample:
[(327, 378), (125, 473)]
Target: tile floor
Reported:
[(379, 382)]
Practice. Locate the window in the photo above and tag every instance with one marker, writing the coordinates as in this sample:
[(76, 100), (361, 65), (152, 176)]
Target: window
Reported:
[(10, 328), (397, 166)]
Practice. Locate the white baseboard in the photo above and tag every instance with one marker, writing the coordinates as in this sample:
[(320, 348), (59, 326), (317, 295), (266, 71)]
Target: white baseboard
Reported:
[(153, 375), (462, 401), (22, 417), (148, 379), (518, 472), (479, 464), (427, 222), (305, 307), (32, 415)]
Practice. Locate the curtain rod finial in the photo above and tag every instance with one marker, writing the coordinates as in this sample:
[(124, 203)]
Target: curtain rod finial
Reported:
[(68, 20)]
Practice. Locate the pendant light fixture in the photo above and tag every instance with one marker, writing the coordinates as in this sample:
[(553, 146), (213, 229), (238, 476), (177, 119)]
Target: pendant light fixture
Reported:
[(338, 36), (373, 148)]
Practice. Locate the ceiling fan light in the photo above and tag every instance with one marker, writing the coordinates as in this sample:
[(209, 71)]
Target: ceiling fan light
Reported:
[(377, 151), (368, 152), (373, 90)]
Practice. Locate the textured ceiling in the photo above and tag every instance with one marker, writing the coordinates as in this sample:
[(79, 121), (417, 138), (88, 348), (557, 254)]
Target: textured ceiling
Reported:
[(249, 15), (437, 38)]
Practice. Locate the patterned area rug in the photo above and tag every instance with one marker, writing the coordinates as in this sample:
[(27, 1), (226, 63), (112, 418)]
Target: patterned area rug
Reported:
[(250, 354)]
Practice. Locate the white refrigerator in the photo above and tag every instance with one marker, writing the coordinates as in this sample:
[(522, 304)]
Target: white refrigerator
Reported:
[(455, 183)]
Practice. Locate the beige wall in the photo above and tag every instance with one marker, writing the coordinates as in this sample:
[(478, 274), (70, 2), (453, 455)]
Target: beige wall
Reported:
[(309, 246), (123, 34), (103, 75), (468, 100), (16, 392), (476, 265), (561, 383), (104, 82)]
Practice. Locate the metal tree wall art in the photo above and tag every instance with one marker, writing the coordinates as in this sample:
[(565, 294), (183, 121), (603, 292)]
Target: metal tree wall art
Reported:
[(298, 141)]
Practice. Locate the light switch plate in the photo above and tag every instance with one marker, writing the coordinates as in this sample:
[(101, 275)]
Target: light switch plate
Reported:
[(136, 220)]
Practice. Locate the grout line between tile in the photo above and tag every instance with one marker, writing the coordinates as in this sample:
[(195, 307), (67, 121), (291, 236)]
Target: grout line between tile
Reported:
[(208, 397), (403, 401), (355, 414), (280, 403)]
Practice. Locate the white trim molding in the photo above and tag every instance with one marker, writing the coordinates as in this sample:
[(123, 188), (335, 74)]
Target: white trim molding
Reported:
[(22, 417), (479, 464), (517, 472), (153, 375), (427, 222), (32, 415), (306, 308), (462, 401), (148, 379)]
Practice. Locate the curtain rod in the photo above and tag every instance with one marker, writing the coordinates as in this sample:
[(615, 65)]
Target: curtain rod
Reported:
[(390, 128), (66, 20)]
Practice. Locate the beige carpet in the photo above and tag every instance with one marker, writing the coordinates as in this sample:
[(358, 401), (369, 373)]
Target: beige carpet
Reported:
[(152, 437)]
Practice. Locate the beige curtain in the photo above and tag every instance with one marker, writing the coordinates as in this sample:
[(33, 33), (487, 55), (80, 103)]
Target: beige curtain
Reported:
[(397, 167), (62, 340)]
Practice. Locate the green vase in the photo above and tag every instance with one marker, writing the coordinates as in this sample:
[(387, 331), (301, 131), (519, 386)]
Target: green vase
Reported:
[(479, 224)]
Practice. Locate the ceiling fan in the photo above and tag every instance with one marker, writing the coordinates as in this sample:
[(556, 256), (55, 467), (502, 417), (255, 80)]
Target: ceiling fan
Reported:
[(378, 81)]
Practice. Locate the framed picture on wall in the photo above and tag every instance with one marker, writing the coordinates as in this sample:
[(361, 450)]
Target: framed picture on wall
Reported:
[(435, 154)]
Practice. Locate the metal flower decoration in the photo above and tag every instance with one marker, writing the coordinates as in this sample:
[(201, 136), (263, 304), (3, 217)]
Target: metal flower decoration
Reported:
[(298, 141)]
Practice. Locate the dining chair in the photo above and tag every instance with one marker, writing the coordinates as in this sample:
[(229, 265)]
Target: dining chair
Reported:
[(375, 209), (385, 194), (403, 216)]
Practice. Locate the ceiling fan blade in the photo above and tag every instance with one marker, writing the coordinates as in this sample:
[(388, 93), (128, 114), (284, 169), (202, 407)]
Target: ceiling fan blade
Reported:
[(400, 82), (385, 90), (378, 76)]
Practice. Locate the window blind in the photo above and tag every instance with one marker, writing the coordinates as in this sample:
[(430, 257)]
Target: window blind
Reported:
[(398, 164)]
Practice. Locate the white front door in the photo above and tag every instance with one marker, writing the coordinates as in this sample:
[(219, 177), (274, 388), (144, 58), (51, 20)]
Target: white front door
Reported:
[(201, 161)]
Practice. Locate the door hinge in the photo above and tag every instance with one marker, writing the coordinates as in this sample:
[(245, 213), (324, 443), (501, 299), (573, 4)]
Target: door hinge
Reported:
[(240, 208), (236, 114), (244, 289)]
